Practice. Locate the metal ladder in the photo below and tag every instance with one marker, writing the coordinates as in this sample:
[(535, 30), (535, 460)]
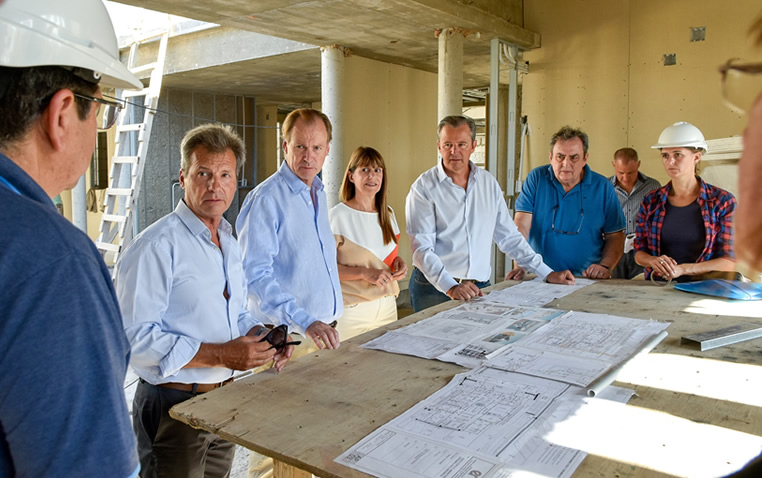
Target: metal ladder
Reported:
[(133, 131)]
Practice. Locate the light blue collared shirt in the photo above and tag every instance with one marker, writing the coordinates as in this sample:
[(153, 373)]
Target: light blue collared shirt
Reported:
[(170, 284), (289, 252)]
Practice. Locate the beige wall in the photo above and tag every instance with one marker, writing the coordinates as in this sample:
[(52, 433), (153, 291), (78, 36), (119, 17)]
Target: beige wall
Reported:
[(394, 110), (600, 68), (267, 142)]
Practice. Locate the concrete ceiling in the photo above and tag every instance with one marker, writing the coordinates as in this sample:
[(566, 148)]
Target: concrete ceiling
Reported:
[(395, 31), (292, 78)]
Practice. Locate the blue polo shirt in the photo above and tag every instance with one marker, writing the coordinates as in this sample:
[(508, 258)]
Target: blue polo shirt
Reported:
[(567, 228), (63, 352)]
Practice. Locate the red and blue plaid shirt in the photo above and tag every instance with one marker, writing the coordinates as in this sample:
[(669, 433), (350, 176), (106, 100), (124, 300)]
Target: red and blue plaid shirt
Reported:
[(717, 208)]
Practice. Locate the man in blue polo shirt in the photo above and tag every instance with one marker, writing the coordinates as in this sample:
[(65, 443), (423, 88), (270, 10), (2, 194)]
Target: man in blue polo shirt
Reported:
[(570, 214)]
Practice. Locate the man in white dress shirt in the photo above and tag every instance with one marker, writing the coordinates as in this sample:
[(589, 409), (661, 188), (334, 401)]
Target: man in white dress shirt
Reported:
[(455, 211)]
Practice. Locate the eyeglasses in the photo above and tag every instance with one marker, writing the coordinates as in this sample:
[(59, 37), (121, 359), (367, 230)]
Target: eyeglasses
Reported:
[(580, 194), (110, 112), (278, 338), (741, 83), (570, 233)]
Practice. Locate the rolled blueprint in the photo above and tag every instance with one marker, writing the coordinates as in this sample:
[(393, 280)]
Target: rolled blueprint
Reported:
[(606, 379)]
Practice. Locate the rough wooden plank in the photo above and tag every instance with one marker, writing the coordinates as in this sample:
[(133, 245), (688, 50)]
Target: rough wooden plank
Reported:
[(319, 405), (324, 403), (282, 470)]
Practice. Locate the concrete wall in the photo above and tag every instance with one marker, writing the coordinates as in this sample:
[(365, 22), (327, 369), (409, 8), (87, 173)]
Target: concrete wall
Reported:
[(179, 111), (394, 110), (601, 68)]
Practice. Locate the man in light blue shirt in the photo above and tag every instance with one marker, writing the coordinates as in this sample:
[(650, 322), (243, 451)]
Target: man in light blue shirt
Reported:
[(182, 292), (289, 252)]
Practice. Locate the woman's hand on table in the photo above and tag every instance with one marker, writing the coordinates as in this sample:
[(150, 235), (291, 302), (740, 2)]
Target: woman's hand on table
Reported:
[(666, 267)]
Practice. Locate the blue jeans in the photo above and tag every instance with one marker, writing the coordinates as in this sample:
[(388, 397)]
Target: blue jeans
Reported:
[(424, 295)]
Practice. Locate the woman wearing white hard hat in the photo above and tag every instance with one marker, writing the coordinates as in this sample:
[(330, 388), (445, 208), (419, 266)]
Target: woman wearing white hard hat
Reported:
[(684, 229)]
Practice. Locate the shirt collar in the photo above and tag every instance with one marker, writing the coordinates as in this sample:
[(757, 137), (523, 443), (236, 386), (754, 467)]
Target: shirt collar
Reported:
[(703, 196), (704, 191), (295, 183), (24, 183), (442, 175), (194, 224)]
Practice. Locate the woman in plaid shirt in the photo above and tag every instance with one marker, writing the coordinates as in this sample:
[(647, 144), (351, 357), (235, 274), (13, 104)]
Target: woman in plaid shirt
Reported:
[(684, 229)]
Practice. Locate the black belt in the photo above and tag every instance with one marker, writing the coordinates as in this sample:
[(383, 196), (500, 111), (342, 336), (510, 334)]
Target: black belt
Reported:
[(460, 281), (193, 387)]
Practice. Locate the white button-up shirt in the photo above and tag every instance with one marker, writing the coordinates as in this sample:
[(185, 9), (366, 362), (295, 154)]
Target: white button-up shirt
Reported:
[(451, 229)]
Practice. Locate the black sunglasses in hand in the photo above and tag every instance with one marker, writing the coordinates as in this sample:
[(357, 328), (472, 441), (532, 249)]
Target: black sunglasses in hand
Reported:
[(278, 338)]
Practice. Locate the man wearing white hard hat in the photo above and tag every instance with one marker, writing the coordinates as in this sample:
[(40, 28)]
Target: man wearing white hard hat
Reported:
[(684, 229), (63, 352)]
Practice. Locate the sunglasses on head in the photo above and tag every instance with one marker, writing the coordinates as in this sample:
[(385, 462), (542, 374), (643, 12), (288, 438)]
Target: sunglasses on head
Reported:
[(278, 338)]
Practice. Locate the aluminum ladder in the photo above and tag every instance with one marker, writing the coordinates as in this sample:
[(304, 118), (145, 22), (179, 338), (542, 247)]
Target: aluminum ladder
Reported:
[(133, 131)]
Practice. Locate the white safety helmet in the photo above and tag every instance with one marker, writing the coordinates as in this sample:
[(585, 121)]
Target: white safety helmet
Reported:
[(681, 135), (72, 33)]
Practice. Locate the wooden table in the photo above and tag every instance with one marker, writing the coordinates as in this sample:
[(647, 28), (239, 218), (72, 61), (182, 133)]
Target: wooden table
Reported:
[(324, 403)]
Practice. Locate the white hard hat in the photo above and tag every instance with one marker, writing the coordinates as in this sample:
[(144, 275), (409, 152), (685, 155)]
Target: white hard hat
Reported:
[(73, 33), (681, 135)]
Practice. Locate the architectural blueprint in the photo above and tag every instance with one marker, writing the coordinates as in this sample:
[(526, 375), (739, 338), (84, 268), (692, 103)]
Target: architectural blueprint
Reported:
[(579, 347), (486, 423), (530, 369), (535, 293), (467, 334)]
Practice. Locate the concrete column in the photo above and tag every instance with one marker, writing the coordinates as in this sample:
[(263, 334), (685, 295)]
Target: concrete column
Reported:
[(79, 205), (332, 99), (450, 73)]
